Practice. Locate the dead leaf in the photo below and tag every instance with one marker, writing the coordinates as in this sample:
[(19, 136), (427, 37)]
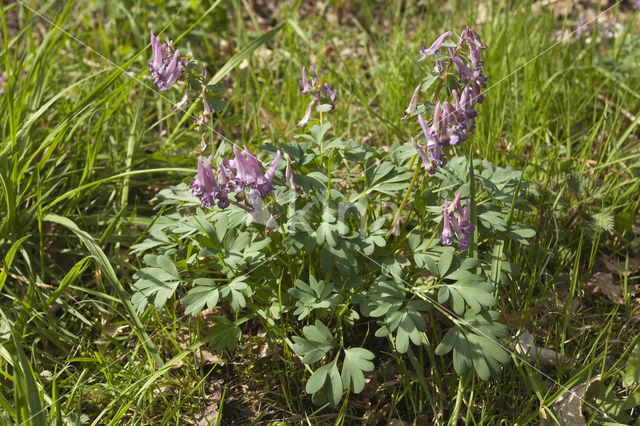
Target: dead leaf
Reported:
[(546, 357), (422, 420), (616, 267), (514, 321), (210, 414), (569, 406), (602, 283), (112, 329)]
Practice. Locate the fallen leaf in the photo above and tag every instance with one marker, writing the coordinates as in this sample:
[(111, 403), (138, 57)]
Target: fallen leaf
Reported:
[(616, 267), (602, 283), (569, 406), (112, 329), (210, 413), (514, 320), (546, 357)]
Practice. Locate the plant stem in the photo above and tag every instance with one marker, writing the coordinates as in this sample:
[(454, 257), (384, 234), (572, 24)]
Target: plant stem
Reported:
[(406, 195), (473, 249), (462, 381)]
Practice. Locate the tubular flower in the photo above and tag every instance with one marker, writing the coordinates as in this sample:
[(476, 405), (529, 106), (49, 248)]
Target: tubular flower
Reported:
[(433, 143), (461, 225), (413, 104), (205, 186), (434, 48), (307, 115), (446, 239), (166, 65), (288, 175)]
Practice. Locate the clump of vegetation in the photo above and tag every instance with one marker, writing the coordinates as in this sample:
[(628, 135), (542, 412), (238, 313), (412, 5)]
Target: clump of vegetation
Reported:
[(256, 246)]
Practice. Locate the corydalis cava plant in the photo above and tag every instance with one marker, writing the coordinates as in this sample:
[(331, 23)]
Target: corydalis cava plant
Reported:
[(453, 117)]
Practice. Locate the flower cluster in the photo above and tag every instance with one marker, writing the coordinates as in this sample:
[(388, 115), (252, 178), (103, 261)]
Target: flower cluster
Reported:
[(322, 93), (452, 121), (242, 175), (461, 224), (166, 66)]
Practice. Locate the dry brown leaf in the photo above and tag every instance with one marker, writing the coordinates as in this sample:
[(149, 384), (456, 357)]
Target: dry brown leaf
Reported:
[(112, 329), (569, 406), (210, 414), (602, 283), (514, 321), (546, 357), (616, 267)]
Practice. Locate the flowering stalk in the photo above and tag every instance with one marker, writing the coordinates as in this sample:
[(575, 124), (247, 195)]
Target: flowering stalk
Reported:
[(322, 94), (451, 121)]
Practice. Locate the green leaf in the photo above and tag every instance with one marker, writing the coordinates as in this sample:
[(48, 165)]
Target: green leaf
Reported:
[(317, 379), (234, 293), (8, 259), (155, 281), (356, 360), (445, 261), (205, 293), (317, 341), (243, 54), (478, 346), (632, 372), (68, 279), (325, 384), (475, 291), (448, 341), (224, 335), (383, 298)]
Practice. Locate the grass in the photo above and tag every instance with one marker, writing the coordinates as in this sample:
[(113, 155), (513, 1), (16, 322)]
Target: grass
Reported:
[(86, 144)]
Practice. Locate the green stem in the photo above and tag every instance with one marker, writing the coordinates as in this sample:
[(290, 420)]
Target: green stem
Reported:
[(414, 179), (473, 250), (462, 381)]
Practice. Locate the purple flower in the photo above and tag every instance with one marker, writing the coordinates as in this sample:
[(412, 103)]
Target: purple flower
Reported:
[(425, 160), (433, 144), (263, 183), (463, 240), (306, 87), (322, 94), (460, 224), (413, 104), (328, 96), (434, 47), (472, 38), (465, 223), (166, 65), (468, 74), (288, 175), (243, 173), (446, 239), (205, 186), (248, 172), (307, 115)]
